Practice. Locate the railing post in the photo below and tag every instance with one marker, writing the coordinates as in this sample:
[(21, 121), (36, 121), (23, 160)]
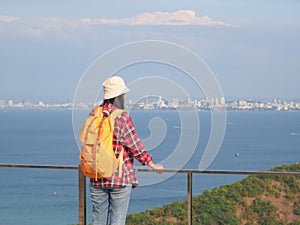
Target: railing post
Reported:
[(190, 197), (81, 197)]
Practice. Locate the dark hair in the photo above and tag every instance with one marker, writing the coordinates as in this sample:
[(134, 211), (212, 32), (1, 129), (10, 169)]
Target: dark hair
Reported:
[(118, 101)]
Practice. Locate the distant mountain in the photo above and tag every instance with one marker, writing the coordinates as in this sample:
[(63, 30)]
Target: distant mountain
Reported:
[(262, 200)]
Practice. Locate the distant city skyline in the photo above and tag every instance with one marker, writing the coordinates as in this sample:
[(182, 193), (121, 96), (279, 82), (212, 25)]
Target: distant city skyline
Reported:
[(250, 46), (159, 103)]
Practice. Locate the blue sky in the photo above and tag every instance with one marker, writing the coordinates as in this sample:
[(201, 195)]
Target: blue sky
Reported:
[(251, 46)]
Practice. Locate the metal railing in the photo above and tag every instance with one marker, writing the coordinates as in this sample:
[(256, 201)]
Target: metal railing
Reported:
[(82, 182)]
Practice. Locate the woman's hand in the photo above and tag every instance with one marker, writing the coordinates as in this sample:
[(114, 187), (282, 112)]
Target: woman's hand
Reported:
[(156, 166)]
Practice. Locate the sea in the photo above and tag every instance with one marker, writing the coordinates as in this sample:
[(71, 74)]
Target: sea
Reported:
[(253, 141)]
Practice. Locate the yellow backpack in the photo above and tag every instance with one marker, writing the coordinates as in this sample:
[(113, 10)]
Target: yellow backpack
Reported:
[(97, 156)]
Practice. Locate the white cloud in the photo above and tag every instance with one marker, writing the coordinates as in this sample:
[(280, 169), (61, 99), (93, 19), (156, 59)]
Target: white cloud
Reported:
[(178, 18), (76, 30), (8, 19)]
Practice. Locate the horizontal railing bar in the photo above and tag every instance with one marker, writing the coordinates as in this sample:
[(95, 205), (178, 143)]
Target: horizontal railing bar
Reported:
[(232, 172), (39, 166)]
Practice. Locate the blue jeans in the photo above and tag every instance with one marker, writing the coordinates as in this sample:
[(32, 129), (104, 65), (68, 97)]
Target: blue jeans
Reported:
[(110, 203)]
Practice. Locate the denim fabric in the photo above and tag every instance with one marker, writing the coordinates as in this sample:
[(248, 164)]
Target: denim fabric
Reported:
[(110, 205)]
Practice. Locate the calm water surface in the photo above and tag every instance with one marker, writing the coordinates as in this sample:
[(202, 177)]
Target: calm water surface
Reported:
[(261, 140)]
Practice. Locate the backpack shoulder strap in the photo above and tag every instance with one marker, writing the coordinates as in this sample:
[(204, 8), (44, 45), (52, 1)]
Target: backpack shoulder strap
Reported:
[(116, 113)]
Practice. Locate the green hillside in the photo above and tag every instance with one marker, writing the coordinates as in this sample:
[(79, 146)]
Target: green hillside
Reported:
[(263, 200)]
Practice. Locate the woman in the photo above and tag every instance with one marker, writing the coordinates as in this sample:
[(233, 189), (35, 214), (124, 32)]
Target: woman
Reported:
[(110, 196)]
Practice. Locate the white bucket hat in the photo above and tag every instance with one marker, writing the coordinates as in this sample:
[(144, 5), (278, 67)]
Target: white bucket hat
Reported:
[(113, 87)]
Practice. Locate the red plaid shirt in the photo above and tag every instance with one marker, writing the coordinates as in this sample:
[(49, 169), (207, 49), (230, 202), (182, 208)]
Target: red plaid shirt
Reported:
[(125, 136)]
